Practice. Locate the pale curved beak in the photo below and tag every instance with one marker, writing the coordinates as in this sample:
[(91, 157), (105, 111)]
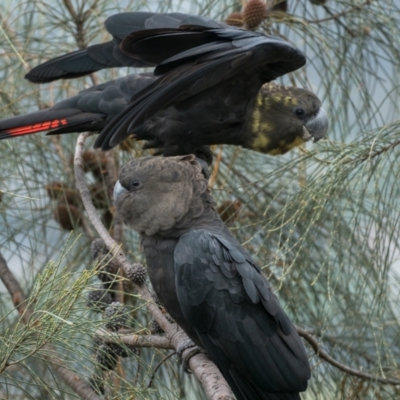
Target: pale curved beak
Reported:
[(118, 190), (316, 127)]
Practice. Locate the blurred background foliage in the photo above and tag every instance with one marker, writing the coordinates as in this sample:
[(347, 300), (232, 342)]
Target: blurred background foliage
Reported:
[(323, 221)]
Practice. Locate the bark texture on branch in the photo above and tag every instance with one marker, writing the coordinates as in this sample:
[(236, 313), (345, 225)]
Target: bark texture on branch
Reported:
[(14, 288), (159, 342)]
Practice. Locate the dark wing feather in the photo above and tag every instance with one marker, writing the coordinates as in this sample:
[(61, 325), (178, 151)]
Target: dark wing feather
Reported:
[(109, 55), (217, 56), (121, 25), (86, 111), (238, 318), (157, 97), (156, 45)]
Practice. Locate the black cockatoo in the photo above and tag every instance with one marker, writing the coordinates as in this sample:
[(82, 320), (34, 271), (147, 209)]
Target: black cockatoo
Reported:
[(208, 282), (211, 85)]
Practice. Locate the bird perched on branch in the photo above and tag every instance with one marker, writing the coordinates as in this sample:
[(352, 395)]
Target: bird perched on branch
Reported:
[(211, 85), (208, 282)]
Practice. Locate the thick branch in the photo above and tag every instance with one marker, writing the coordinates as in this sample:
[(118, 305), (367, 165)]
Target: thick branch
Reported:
[(111, 173), (15, 290), (351, 371), (75, 382), (213, 382), (130, 339), (79, 386), (206, 371), (111, 178)]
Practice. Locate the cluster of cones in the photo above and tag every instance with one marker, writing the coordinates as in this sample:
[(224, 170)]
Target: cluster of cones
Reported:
[(116, 316), (107, 354), (254, 12), (69, 208)]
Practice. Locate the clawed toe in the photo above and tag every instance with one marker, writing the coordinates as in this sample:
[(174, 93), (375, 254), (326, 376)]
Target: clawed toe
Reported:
[(185, 351)]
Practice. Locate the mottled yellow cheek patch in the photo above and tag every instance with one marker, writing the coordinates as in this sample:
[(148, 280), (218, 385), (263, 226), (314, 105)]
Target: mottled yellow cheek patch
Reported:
[(266, 127), (260, 99), (261, 141), (277, 97), (269, 86), (275, 152), (296, 142), (290, 101), (255, 125), (284, 147)]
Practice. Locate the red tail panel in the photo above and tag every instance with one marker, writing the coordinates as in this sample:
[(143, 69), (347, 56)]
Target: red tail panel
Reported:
[(43, 126)]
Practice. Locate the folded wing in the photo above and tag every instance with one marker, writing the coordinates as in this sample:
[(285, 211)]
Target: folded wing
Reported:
[(109, 55), (234, 312), (205, 59)]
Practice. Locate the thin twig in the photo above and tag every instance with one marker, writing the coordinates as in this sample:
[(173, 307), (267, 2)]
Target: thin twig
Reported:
[(70, 8), (87, 229), (94, 79), (216, 167), (351, 371), (366, 156), (370, 155), (206, 371), (75, 382), (158, 366), (340, 14)]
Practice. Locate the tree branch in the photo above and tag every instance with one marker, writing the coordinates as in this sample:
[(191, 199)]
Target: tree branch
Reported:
[(75, 382), (111, 179), (351, 371), (206, 371), (340, 14), (368, 156), (158, 366), (14, 288), (130, 339), (78, 385), (214, 173)]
